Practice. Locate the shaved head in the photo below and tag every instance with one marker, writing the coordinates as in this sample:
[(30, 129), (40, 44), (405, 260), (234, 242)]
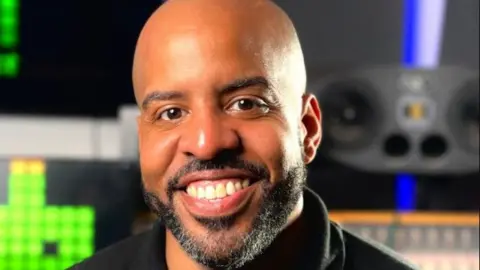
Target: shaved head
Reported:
[(221, 89), (181, 27)]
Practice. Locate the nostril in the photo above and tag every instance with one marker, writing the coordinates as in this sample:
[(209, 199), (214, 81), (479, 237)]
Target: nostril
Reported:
[(189, 154)]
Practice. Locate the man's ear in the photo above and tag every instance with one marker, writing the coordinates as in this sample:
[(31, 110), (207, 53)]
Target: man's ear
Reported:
[(311, 126)]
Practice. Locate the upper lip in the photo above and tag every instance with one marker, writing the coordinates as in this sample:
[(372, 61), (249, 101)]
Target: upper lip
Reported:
[(212, 175)]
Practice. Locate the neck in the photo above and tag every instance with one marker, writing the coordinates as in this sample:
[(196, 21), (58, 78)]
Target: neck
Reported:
[(276, 256)]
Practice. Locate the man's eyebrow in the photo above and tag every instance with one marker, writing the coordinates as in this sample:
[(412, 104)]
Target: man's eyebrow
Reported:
[(257, 81), (160, 96), (245, 83)]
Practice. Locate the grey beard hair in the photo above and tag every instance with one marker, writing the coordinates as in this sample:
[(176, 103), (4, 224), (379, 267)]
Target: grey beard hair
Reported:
[(277, 205), (278, 202)]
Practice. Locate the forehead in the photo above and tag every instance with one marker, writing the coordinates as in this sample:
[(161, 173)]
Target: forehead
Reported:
[(198, 58)]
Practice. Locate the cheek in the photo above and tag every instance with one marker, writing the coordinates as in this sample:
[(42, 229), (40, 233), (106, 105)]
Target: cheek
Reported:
[(273, 144), (156, 154)]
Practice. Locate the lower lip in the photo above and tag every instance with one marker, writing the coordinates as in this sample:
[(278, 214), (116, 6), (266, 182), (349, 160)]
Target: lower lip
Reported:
[(226, 206)]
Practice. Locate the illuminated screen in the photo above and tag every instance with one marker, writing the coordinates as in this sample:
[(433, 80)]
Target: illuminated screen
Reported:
[(9, 25), (49, 222)]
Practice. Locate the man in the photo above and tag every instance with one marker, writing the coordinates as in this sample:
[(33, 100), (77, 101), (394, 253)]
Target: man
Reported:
[(225, 132)]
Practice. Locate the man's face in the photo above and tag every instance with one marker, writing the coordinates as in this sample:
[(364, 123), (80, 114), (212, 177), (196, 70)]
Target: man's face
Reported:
[(220, 146)]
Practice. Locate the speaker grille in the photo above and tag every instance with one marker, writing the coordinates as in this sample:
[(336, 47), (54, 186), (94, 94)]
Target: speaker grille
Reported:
[(464, 116), (350, 114)]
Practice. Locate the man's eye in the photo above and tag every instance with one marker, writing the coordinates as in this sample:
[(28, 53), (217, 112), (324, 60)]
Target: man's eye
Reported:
[(171, 114), (247, 104)]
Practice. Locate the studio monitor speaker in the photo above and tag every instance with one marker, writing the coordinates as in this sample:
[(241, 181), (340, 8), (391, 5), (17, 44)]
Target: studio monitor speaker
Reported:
[(390, 119)]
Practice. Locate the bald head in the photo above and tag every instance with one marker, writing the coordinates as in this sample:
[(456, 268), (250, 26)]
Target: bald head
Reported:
[(184, 33)]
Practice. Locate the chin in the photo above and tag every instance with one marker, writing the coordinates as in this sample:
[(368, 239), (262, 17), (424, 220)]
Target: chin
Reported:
[(216, 242), (220, 245)]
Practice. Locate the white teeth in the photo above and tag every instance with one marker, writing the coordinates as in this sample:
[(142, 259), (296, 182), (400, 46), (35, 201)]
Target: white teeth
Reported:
[(210, 193), (230, 188), (192, 191), (189, 190), (238, 186), (200, 192), (217, 191), (220, 191)]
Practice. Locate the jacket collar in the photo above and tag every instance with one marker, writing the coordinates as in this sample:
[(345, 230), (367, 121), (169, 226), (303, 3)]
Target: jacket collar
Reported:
[(325, 249)]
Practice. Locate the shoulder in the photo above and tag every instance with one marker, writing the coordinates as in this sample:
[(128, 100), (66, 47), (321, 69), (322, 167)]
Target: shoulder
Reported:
[(362, 254), (118, 256)]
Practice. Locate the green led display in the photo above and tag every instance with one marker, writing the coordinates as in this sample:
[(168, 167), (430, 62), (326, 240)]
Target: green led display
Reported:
[(36, 236), (9, 36)]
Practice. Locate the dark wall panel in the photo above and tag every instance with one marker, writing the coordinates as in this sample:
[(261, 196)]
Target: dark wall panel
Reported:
[(461, 37), (345, 32)]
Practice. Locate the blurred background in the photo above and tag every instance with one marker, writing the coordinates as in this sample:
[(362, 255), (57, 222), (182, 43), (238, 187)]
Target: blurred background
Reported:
[(397, 80)]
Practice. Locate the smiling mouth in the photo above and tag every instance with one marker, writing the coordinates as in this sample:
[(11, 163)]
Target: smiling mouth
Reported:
[(218, 189), (216, 198)]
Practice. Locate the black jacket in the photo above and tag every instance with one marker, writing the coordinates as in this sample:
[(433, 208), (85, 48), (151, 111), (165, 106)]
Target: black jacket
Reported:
[(330, 248)]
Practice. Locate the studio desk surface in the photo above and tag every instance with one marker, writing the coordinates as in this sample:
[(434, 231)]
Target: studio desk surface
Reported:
[(433, 241)]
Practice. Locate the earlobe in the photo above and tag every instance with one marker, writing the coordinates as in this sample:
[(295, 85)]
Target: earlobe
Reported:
[(310, 151), (311, 125)]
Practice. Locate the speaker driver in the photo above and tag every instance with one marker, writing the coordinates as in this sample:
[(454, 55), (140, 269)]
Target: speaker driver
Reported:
[(464, 117), (349, 114)]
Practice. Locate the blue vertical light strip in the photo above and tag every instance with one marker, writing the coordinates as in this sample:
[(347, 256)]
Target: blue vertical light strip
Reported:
[(406, 192), (423, 29), (409, 32), (405, 183)]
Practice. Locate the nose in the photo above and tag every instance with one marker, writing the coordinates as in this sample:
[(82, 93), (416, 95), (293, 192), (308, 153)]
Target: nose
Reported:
[(207, 136)]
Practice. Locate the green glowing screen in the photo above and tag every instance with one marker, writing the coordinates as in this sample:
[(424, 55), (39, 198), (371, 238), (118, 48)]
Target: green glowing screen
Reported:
[(9, 25), (36, 236)]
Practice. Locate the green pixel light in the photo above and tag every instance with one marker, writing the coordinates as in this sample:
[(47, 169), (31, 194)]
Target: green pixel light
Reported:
[(9, 36), (28, 226)]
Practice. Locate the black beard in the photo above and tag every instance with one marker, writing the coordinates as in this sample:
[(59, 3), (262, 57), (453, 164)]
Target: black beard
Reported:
[(277, 203)]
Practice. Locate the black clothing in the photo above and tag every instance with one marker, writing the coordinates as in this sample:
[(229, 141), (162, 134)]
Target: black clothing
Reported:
[(329, 248)]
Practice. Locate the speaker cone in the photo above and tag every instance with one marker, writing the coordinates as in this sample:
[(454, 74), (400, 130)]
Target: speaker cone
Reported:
[(349, 114)]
